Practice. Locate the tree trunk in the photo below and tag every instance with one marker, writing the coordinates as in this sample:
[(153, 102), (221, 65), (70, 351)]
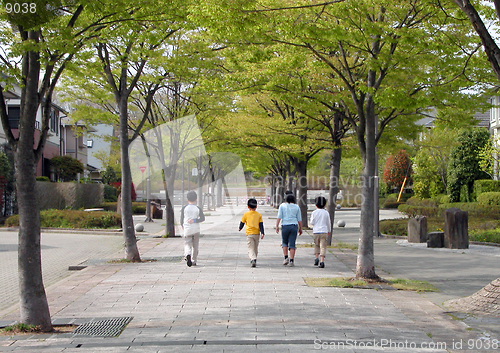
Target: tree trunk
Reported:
[(301, 169), (34, 308), (169, 207), (219, 192), (280, 190), (336, 157), (131, 249), (365, 267)]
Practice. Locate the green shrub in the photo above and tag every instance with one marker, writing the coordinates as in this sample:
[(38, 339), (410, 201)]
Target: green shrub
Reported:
[(110, 193), (42, 178), (391, 201), (482, 186), (413, 211), (491, 198), (137, 207), (474, 209), (109, 206), (440, 199), (391, 204), (489, 236), (416, 201), (394, 227), (73, 219)]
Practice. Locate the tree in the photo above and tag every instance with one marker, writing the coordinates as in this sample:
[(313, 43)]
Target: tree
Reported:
[(135, 50), (398, 170), (431, 161), (386, 62), (36, 51), (66, 167), (464, 166), (490, 46), (109, 175)]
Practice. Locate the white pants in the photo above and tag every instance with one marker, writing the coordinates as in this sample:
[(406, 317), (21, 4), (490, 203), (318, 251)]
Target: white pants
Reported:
[(191, 243), (253, 245)]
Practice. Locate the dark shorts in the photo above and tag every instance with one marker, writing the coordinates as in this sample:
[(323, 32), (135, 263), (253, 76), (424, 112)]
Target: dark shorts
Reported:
[(289, 235)]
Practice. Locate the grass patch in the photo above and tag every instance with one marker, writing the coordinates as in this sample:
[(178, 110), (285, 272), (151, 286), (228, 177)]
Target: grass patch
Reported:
[(339, 245), (488, 236), (127, 261), (412, 285), (347, 282), (340, 282), (21, 328)]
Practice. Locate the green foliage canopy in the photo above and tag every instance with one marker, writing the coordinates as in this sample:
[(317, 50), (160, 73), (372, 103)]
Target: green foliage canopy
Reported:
[(66, 167), (464, 166)]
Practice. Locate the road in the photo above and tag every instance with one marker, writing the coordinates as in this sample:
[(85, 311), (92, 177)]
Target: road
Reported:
[(59, 251)]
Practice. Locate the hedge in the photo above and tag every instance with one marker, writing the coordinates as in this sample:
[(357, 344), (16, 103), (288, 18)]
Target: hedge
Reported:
[(137, 207), (491, 198), (73, 219), (413, 211), (482, 186), (473, 208)]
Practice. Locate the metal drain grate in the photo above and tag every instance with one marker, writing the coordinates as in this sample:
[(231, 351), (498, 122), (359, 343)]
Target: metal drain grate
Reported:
[(103, 327)]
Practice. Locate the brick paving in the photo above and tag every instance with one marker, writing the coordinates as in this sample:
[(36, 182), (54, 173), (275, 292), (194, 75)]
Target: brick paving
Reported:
[(224, 305)]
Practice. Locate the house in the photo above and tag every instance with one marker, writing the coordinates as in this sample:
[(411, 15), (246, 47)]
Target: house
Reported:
[(61, 140), (98, 142)]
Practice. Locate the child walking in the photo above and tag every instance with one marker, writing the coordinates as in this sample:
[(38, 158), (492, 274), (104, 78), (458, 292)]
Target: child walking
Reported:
[(320, 220), (191, 217), (254, 227)]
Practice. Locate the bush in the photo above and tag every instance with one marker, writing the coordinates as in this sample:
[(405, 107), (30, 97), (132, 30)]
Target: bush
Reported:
[(137, 207), (440, 199), (109, 206), (42, 178), (416, 201), (73, 219), (473, 208), (414, 211), (482, 186), (491, 198), (489, 236), (391, 202), (394, 227), (110, 193)]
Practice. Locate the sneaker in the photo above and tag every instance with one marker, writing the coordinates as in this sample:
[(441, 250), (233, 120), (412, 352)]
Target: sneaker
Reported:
[(321, 265), (286, 261), (193, 263), (292, 264), (316, 262), (254, 263), (188, 259)]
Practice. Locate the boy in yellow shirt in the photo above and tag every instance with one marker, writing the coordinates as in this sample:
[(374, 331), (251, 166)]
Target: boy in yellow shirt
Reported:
[(254, 227)]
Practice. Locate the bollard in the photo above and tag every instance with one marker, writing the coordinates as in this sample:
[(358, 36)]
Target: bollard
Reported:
[(417, 230), (456, 233)]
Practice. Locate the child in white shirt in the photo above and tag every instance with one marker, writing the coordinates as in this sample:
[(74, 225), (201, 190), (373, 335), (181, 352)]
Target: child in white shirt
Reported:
[(322, 227)]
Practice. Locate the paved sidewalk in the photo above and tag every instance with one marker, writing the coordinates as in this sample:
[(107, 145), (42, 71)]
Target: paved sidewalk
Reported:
[(224, 305)]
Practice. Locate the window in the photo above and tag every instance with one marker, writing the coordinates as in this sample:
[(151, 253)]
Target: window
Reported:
[(54, 121), (14, 113), (90, 143)]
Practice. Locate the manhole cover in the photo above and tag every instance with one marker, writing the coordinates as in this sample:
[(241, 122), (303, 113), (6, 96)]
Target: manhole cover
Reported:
[(103, 327)]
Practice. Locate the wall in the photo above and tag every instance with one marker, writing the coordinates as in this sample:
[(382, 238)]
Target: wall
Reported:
[(69, 195)]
